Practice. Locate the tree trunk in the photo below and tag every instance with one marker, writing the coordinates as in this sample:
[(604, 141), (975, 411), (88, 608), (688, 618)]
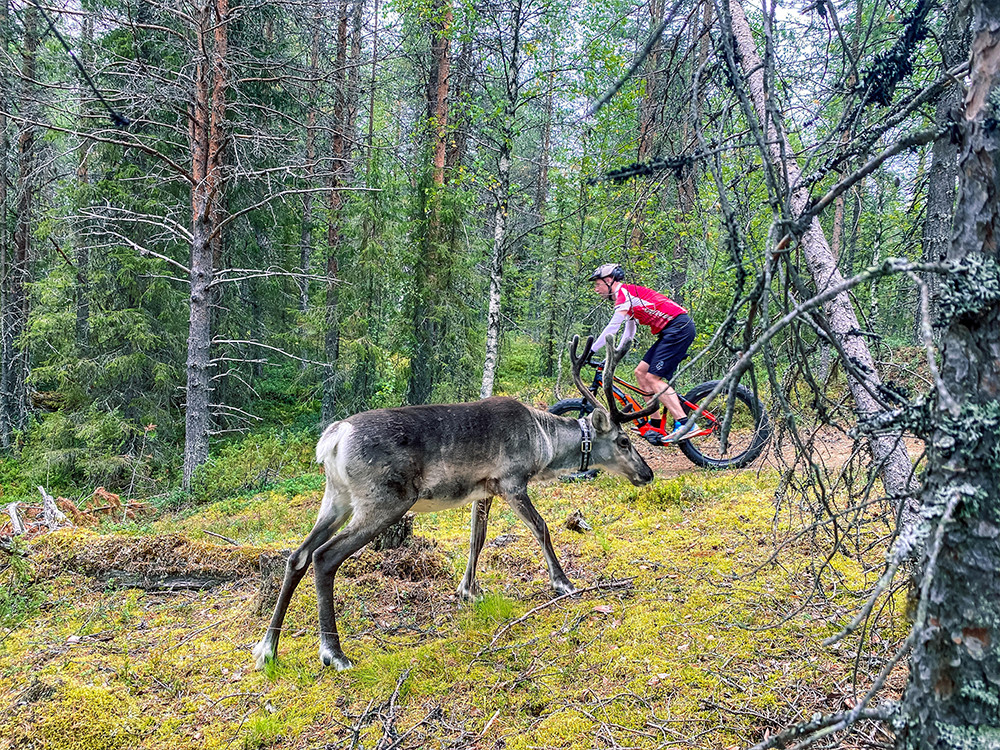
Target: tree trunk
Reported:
[(541, 210), (207, 141), (863, 379), (312, 91), (512, 97), (943, 174), (496, 269), (650, 118), (80, 246), (365, 380), (431, 270), (951, 700), (687, 196), (441, 65), (14, 311), (651, 106), (5, 243), (334, 234)]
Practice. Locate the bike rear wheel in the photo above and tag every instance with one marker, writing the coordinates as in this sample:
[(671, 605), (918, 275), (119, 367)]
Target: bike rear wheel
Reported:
[(749, 431)]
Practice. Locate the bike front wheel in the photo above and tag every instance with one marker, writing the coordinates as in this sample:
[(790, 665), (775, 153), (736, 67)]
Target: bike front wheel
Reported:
[(571, 407), (749, 430)]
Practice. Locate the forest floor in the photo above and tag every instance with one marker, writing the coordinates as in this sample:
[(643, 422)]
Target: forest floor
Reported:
[(699, 625)]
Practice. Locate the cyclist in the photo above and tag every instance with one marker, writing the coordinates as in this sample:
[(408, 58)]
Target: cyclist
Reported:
[(668, 321)]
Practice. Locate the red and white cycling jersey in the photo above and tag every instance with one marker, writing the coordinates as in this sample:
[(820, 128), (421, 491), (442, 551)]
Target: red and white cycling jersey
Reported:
[(637, 304)]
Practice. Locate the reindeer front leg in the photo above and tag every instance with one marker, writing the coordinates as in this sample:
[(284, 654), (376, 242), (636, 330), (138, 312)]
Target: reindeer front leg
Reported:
[(521, 505), (469, 589)]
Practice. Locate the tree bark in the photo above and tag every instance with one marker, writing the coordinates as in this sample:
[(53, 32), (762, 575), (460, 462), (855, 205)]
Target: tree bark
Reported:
[(687, 195), (441, 66), (17, 272), (431, 269), (650, 119), (541, 210), (207, 141), (80, 246), (512, 95), (312, 92), (952, 697), (863, 379), (334, 234), (6, 246), (943, 174)]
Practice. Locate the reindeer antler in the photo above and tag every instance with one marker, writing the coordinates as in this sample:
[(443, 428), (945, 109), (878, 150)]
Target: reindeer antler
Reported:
[(615, 354), (579, 362)]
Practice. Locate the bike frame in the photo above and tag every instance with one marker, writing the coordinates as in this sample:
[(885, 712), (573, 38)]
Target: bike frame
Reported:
[(623, 391)]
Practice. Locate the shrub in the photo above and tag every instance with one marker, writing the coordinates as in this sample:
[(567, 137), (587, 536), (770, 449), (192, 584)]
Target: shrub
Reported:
[(251, 464)]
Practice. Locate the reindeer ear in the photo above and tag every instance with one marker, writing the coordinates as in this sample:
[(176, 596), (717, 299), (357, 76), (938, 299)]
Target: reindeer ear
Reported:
[(602, 421)]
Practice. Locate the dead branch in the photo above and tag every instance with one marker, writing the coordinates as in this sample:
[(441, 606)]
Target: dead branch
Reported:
[(622, 583), (15, 519)]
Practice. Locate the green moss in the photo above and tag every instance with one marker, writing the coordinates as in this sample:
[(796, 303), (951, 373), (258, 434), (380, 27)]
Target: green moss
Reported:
[(87, 718), (969, 738)]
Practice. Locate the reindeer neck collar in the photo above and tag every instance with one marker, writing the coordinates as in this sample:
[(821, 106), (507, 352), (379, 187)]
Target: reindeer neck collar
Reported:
[(586, 443)]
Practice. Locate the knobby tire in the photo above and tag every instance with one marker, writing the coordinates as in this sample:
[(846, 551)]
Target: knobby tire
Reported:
[(749, 432)]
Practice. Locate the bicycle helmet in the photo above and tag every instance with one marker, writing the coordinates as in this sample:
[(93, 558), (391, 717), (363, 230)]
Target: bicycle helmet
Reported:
[(613, 270)]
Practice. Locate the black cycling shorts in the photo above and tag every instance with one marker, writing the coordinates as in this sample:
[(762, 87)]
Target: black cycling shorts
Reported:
[(671, 347)]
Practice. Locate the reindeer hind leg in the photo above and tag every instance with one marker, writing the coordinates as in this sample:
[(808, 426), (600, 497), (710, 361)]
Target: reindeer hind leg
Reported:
[(469, 589), (371, 517), (332, 516)]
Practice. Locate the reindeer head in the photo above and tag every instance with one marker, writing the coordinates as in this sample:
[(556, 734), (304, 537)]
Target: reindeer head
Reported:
[(612, 450)]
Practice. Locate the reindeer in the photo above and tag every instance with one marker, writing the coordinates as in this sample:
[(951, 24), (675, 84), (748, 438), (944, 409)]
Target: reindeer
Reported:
[(382, 463)]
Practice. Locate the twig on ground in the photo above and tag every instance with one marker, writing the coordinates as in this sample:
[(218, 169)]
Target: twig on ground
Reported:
[(223, 538), (622, 583)]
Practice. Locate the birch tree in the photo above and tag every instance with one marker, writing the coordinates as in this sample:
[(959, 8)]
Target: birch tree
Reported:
[(511, 27)]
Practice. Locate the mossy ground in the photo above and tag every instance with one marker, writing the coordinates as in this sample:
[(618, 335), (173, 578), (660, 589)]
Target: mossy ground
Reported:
[(708, 644)]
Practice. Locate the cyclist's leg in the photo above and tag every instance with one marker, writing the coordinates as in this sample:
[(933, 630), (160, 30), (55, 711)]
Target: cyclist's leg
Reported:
[(662, 359), (654, 384)]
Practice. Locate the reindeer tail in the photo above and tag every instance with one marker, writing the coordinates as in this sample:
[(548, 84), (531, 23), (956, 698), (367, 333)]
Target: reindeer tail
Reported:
[(326, 448)]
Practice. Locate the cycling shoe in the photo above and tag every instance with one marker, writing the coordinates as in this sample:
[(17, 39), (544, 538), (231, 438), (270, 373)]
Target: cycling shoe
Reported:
[(675, 437)]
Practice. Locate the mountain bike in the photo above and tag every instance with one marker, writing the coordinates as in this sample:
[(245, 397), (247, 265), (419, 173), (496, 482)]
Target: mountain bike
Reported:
[(749, 430)]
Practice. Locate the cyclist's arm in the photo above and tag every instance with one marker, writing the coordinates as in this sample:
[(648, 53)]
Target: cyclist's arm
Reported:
[(612, 328)]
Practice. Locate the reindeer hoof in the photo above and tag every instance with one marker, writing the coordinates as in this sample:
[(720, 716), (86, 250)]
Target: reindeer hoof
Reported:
[(263, 652), (469, 593), (336, 660), (564, 588)]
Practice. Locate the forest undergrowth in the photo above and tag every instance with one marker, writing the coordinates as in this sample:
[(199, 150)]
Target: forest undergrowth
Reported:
[(690, 631)]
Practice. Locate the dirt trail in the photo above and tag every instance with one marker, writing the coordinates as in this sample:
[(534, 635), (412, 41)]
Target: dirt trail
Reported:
[(833, 448)]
